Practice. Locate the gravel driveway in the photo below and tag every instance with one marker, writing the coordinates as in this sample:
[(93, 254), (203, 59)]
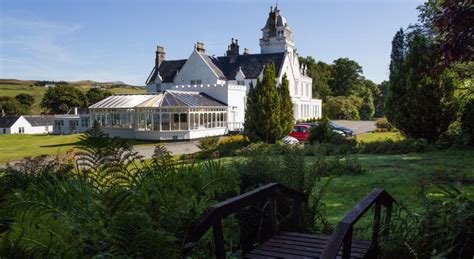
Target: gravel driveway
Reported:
[(358, 127)]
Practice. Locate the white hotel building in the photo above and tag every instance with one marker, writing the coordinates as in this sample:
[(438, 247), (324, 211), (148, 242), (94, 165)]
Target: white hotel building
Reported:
[(205, 95)]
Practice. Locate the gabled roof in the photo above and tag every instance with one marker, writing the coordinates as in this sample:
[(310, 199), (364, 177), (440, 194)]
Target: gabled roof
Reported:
[(225, 67), (122, 101), (37, 121), (167, 70), (8, 121)]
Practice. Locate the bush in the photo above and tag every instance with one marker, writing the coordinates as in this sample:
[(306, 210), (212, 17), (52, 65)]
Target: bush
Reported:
[(328, 142), (343, 107), (208, 143), (383, 125), (467, 121), (228, 146), (395, 147)]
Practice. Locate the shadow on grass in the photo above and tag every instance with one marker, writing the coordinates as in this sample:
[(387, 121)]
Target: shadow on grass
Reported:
[(64, 144)]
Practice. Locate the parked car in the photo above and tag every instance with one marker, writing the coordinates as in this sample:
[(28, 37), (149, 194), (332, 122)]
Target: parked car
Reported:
[(301, 132), (335, 127), (289, 140)]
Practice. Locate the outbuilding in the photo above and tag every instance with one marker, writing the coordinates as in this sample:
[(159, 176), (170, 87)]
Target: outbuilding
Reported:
[(26, 124)]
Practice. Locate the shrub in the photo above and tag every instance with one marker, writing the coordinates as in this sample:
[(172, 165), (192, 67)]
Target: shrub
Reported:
[(209, 142), (342, 107), (383, 125), (228, 146), (389, 146), (328, 142), (467, 121)]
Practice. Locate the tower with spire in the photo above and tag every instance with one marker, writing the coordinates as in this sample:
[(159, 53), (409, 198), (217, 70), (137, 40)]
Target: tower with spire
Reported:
[(276, 35)]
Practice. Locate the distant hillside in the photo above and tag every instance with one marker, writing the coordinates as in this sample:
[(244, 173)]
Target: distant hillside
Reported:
[(13, 87)]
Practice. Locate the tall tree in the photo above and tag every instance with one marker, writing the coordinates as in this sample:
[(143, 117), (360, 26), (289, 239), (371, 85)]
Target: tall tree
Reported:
[(420, 102), (367, 109), (345, 77), (452, 23), (10, 106), (380, 93), (251, 114), (264, 105), (287, 116), (61, 98)]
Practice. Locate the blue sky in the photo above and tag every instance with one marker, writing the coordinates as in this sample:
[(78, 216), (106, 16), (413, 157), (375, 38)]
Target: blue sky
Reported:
[(115, 40)]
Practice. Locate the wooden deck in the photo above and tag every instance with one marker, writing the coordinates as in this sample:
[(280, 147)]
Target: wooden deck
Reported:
[(297, 245), (340, 244)]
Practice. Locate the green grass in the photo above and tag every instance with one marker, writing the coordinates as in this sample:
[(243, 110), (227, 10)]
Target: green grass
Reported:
[(377, 136), (16, 146), (400, 176)]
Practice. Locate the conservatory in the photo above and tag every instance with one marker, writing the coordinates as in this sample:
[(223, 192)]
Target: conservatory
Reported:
[(169, 115)]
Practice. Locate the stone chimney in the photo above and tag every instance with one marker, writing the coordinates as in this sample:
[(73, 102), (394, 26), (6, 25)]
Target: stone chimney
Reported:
[(200, 47), (233, 49), (160, 56), (246, 51)]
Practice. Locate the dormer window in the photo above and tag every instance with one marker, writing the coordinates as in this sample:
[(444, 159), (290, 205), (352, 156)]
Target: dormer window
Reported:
[(240, 82), (196, 82)]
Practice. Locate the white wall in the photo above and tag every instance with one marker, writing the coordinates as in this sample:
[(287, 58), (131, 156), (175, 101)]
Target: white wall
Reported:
[(21, 122), (196, 68)]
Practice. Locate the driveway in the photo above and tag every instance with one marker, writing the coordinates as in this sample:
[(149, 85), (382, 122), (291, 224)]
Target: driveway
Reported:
[(176, 148), (358, 127)]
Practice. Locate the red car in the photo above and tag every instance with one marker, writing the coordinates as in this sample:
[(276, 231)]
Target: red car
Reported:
[(301, 132)]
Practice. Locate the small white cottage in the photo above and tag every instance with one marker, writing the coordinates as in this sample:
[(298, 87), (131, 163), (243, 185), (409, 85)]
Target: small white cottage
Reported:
[(26, 124)]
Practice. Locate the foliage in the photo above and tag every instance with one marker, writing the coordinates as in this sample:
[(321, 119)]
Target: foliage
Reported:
[(367, 109), (25, 99), (320, 72), (451, 22), (443, 230), (287, 119), (420, 103), (59, 99), (11, 106), (321, 133), (389, 146), (94, 95), (335, 166), (467, 121), (383, 125), (345, 77), (208, 143), (380, 93), (342, 107), (228, 146), (264, 107)]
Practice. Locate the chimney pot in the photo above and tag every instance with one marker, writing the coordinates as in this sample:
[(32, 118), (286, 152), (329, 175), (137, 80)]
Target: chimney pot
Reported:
[(200, 47), (246, 51), (160, 56)]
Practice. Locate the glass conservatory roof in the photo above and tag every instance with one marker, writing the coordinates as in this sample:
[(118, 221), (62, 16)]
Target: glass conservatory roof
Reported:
[(162, 99)]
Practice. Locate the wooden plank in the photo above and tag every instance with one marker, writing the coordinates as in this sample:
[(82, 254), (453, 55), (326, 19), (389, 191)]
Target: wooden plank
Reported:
[(363, 244), (260, 252), (312, 245), (286, 251), (324, 237)]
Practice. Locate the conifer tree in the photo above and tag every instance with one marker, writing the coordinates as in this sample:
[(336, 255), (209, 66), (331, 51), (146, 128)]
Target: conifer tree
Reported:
[(263, 114), (268, 107), (251, 114), (287, 119)]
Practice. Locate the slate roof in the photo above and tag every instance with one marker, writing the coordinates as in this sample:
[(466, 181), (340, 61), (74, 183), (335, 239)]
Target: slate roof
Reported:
[(167, 70), (251, 64), (163, 99), (8, 121), (225, 67), (37, 121)]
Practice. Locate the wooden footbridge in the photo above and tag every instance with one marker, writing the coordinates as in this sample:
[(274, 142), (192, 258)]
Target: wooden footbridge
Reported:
[(340, 244)]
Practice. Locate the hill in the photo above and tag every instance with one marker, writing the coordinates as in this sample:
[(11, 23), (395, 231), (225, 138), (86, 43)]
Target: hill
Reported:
[(13, 87)]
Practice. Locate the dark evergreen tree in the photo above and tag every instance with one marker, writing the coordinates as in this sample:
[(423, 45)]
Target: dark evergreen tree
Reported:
[(287, 117), (420, 102), (263, 115), (251, 109), (367, 109)]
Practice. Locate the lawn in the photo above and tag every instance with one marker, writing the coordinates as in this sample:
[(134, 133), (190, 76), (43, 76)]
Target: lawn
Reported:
[(17, 146), (378, 136), (400, 176)]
